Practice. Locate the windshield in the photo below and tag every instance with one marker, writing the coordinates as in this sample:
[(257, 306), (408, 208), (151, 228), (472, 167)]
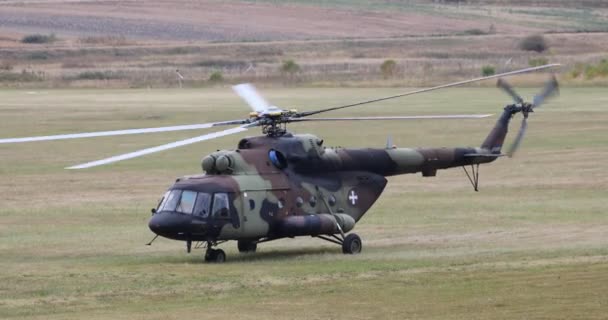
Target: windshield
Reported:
[(186, 203), (171, 201), (191, 202), (162, 201)]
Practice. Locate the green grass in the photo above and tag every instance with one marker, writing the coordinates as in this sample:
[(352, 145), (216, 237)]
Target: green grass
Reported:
[(560, 15), (531, 244)]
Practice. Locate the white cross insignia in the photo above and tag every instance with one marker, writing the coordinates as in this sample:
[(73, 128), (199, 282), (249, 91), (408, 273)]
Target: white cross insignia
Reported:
[(353, 197)]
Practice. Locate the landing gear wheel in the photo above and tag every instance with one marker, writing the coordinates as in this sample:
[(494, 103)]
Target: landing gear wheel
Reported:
[(247, 246), (352, 244), (215, 256)]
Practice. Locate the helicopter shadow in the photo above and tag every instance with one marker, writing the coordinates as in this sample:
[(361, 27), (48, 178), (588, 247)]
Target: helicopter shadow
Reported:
[(196, 257), (285, 254)]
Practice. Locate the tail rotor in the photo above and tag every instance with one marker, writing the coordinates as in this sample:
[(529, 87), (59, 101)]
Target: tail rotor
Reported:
[(550, 89)]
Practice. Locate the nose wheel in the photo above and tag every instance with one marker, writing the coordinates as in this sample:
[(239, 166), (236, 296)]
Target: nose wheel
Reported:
[(215, 255)]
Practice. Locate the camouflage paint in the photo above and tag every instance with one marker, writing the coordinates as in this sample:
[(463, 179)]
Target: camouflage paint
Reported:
[(305, 188)]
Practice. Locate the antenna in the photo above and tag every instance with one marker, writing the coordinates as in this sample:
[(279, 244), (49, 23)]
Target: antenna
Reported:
[(389, 142)]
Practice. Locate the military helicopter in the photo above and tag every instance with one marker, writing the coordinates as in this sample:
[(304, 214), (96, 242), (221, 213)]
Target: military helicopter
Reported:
[(282, 185)]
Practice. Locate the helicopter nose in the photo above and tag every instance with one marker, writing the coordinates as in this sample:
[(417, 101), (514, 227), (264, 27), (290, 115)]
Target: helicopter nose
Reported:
[(169, 225), (156, 222)]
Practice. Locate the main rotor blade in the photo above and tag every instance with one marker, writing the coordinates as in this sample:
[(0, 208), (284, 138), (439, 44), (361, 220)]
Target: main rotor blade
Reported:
[(504, 85), (253, 98), (453, 116), (121, 132), (309, 113), (551, 88), (167, 146), (520, 135)]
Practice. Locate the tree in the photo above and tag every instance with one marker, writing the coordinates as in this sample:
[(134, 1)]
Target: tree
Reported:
[(540, 61), (534, 42), (487, 71), (290, 68), (216, 76), (388, 68)]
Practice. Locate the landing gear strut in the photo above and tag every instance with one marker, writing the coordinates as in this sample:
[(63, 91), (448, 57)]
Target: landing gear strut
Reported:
[(351, 244), (473, 176)]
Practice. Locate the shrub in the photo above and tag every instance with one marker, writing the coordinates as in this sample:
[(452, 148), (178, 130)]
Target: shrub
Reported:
[(179, 50), (492, 29), (39, 38), (474, 32), (105, 40), (96, 75), (6, 66), (597, 70), (75, 64), (24, 76), (222, 63), (39, 55), (388, 68), (216, 77), (488, 71), (534, 42), (577, 70), (290, 67), (535, 62), (270, 52)]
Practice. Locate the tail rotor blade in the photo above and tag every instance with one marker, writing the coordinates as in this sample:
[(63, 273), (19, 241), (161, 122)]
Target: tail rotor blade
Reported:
[(253, 98), (506, 87), (518, 138), (551, 89)]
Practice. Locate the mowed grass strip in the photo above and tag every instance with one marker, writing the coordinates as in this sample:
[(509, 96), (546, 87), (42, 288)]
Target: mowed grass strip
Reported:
[(530, 244), (369, 290)]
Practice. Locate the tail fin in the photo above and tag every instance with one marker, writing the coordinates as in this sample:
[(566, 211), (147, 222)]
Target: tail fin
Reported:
[(496, 138)]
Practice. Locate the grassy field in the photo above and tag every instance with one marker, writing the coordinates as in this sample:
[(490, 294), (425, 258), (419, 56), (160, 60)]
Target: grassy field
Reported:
[(531, 244)]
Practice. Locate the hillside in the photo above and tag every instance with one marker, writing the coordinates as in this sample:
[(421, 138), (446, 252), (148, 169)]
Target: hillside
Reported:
[(141, 44), (237, 20)]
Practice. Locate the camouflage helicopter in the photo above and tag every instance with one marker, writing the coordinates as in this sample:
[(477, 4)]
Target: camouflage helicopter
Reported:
[(281, 185)]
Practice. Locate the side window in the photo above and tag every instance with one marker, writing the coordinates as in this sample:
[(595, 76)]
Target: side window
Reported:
[(221, 206), (186, 204), (203, 202), (172, 200)]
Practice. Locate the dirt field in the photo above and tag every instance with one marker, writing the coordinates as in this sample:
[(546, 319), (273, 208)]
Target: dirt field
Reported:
[(121, 44), (230, 21)]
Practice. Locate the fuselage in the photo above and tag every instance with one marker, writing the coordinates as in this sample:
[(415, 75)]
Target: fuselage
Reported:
[(274, 187)]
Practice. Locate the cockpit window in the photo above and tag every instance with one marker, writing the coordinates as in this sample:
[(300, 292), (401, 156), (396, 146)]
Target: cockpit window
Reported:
[(186, 203), (221, 205), (171, 200), (203, 202), (162, 201)]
